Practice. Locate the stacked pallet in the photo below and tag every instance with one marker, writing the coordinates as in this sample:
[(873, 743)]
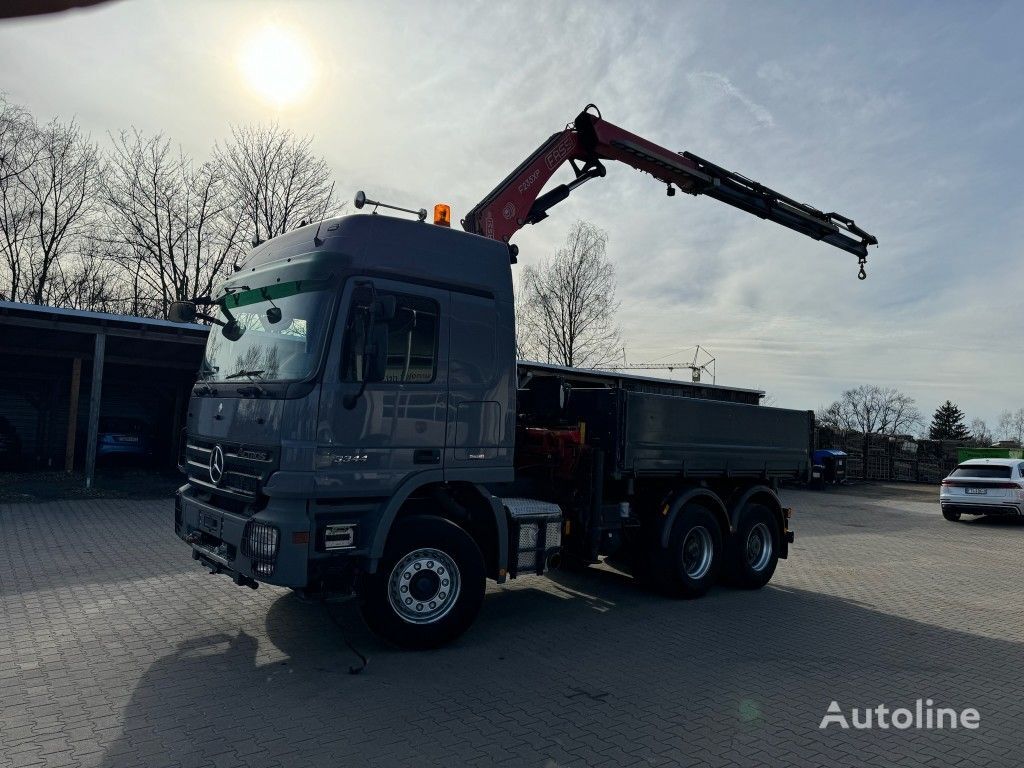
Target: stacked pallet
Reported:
[(891, 457)]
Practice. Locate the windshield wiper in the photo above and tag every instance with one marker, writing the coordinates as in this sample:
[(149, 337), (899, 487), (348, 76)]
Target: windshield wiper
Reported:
[(239, 374), (254, 389)]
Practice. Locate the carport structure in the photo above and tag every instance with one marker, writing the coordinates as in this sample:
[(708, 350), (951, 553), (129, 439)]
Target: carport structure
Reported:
[(133, 366)]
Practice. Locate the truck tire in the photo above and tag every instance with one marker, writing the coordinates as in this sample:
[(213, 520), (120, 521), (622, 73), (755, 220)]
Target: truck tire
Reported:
[(951, 515), (689, 565), (754, 548), (429, 584)]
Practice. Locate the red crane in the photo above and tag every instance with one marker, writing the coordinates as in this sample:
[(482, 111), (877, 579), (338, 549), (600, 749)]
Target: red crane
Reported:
[(589, 140)]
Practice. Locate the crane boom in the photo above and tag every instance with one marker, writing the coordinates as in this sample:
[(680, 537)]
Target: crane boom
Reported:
[(589, 140)]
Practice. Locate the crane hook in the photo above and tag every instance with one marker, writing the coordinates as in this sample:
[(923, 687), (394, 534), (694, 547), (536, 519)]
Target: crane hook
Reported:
[(862, 274)]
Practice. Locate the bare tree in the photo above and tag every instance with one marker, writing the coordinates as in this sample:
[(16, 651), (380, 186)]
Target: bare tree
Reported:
[(90, 281), (1011, 426), (170, 224), (16, 131), (980, 433), (275, 178), (870, 409), (60, 188), (19, 150), (143, 225), (566, 311)]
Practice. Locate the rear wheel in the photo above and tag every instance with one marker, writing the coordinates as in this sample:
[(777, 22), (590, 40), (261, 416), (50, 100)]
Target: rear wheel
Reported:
[(754, 548), (429, 585), (951, 515), (688, 566)]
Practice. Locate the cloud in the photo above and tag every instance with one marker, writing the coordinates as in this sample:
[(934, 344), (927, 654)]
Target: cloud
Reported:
[(916, 136), (718, 82)]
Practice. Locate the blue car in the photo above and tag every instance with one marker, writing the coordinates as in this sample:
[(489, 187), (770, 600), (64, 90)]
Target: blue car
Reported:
[(123, 437)]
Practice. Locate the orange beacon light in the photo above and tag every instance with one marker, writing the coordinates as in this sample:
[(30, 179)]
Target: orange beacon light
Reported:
[(442, 215)]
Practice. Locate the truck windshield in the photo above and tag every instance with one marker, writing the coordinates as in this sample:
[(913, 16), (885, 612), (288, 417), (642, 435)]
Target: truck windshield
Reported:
[(273, 333)]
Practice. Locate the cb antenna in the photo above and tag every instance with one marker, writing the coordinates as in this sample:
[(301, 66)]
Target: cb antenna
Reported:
[(362, 199), (316, 238)]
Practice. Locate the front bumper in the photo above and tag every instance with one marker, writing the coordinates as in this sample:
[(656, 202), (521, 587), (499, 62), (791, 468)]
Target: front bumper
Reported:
[(218, 538), (222, 540)]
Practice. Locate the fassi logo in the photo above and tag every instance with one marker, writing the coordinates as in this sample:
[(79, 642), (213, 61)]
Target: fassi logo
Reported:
[(561, 151)]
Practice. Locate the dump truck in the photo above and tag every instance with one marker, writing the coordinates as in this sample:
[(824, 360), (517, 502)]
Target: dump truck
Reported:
[(361, 426)]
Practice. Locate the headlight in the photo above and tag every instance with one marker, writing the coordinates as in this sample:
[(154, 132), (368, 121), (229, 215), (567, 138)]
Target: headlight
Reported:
[(261, 542)]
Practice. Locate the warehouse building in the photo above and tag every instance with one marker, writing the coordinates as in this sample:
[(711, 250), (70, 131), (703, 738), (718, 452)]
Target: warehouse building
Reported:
[(69, 374)]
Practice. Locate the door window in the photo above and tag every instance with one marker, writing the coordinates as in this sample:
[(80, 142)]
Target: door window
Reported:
[(412, 337)]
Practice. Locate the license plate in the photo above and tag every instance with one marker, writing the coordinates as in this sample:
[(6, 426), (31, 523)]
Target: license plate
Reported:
[(976, 490)]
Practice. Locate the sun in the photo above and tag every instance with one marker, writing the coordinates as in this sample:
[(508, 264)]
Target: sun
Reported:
[(277, 65)]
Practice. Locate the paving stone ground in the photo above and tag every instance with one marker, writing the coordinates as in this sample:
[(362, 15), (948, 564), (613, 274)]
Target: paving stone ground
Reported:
[(116, 649)]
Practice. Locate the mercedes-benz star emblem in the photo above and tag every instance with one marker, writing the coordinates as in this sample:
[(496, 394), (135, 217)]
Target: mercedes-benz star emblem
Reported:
[(216, 464)]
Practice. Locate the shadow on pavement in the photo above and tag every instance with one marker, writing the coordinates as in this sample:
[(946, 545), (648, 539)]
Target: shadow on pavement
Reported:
[(582, 669), (112, 482)]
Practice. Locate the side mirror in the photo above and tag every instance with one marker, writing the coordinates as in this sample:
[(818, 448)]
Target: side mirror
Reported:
[(363, 295), (232, 330), (274, 315), (182, 312), (384, 309)]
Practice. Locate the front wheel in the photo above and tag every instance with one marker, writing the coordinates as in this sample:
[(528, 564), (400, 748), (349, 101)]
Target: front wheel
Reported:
[(429, 585), (754, 548)]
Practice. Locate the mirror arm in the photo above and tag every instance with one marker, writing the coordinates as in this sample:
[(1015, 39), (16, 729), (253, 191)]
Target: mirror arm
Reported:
[(210, 319), (350, 400)]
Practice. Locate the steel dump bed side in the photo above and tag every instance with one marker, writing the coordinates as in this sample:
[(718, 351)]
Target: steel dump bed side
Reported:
[(657, 434)]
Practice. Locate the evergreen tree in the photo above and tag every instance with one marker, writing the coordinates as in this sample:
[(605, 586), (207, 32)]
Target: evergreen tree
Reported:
[(948, 423)]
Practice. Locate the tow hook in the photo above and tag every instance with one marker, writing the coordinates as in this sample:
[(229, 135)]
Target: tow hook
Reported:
[(245, 581), (194, 537)]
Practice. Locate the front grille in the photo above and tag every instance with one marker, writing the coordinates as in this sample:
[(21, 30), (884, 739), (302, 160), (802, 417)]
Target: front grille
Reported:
[(246, 467), (241, 481)]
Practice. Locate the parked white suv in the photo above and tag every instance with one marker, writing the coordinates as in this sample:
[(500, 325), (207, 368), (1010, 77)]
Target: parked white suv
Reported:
[(984, 487)]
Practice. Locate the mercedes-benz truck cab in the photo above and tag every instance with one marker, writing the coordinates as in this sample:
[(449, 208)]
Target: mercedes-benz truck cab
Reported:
[(354, 368)]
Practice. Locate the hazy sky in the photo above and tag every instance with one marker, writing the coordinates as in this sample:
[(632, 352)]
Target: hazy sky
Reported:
[(908, 117)]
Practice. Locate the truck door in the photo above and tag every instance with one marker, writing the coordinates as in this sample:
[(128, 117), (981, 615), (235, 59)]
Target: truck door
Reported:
[(480, 440), (374, 435)]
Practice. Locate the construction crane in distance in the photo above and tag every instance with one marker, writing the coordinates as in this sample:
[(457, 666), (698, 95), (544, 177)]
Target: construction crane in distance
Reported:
[(696, 366)]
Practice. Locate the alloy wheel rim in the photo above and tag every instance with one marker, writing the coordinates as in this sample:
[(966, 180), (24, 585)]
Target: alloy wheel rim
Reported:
[(759, 547), (424, 586), (698, 552)]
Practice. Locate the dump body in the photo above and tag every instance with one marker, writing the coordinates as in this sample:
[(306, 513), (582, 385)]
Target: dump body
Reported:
[(648, 434)]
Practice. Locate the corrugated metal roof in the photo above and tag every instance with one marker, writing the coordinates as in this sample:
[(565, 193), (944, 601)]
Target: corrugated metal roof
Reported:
[(597, 373), (72, 317)]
